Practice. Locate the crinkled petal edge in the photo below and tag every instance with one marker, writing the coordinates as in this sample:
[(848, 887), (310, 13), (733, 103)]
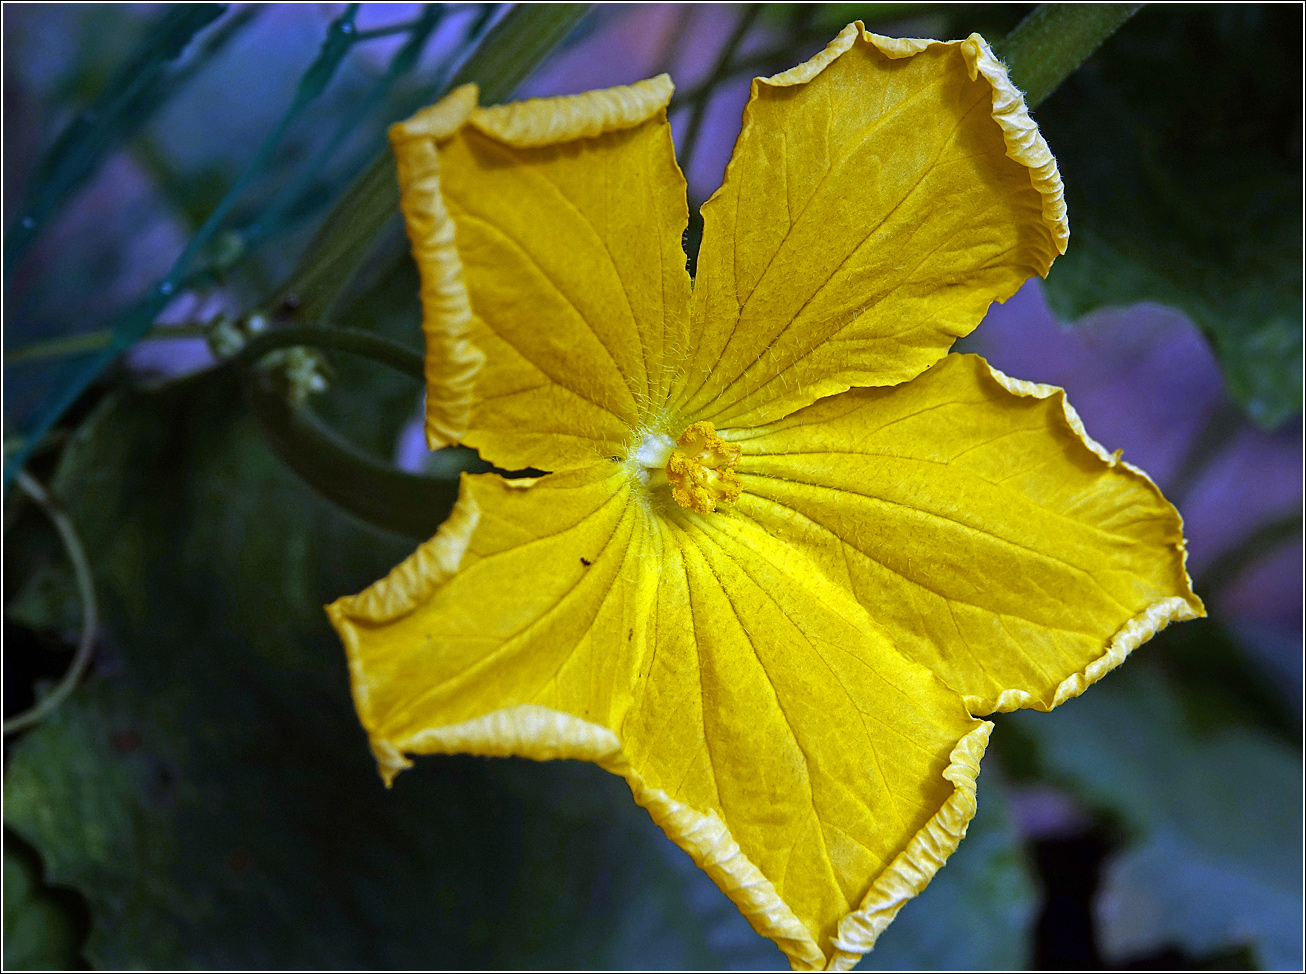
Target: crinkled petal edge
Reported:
[(543, 734), (546, 121), (914, 867), (453, 361), (528, 730), (408, 585), (1137, 630), (1025, 145), (709, 843)]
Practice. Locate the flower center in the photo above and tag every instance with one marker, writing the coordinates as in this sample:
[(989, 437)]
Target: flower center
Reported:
[(701, 470)]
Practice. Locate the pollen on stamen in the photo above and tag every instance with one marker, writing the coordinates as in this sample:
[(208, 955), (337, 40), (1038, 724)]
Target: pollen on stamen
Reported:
[(701, 470)]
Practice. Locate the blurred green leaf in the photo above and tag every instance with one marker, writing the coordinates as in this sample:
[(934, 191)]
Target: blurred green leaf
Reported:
[(1180, 147), (211, 792), (1214, 819), (978, 912), (38, 935), (47, 600), (1167, 891)]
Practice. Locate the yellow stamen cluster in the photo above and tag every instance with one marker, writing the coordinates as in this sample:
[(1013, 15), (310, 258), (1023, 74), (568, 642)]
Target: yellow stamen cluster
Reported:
[(702, 470)]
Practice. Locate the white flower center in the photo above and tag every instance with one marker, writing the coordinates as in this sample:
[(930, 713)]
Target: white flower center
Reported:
[(653, 451)]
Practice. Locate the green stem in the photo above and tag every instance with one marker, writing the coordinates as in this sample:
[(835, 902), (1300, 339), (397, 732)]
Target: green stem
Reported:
[(273, 215), (405, 503), (90, 609), (89, 342), (516, 46), (363, 343), (138, 88), (408, 504), (1054, 40), (375, 32), (340, 38), (67, 345)]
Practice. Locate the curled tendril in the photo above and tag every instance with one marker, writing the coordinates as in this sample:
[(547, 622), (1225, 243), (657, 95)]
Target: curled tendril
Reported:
[(90, 608)]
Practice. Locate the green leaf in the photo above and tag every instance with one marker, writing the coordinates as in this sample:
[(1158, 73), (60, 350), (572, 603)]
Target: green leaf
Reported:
[(47, 600), (1214, 818), (978, 912), (1180, 147), (39, 936), (1166, 891), (211, 792)]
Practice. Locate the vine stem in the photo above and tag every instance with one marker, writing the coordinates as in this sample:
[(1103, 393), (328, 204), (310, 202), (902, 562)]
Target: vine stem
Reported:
[(363, 343), (420, 30), (1055, 39), (90, 341), (90, 608)]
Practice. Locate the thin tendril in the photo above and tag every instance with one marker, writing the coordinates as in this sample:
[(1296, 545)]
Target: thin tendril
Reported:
[(90, 609)]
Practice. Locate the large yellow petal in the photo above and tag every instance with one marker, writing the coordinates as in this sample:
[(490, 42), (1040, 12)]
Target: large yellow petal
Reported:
[(973, 518), (766, 724), (548, 236), (529, 595), (880, 197), (819, 777)]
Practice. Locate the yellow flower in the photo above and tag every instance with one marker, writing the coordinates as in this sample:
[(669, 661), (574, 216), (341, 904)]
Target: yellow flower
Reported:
[(788, 546)]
